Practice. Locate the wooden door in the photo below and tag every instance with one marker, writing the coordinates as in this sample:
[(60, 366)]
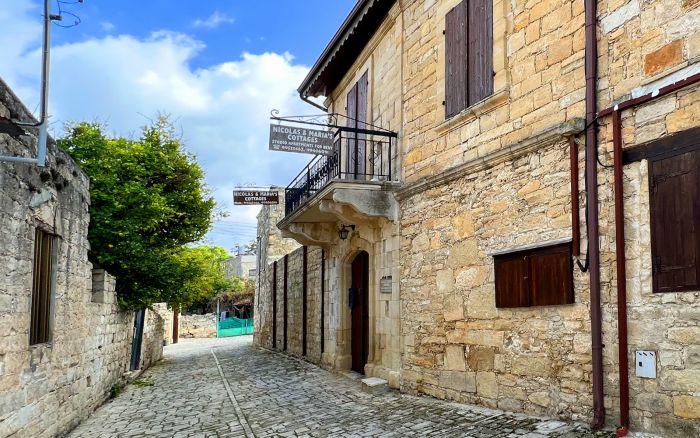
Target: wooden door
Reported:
[(359, 304)]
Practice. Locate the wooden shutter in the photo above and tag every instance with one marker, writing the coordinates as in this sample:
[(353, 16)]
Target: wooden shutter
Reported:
[(551, 276), (536, 277), (40, 327), (362, 110), (456, 55), (512, 288), (351, 142), (675, 222), (480, 47)]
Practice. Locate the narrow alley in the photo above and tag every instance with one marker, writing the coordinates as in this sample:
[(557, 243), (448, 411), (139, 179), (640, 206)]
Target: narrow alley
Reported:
[(229, 388)]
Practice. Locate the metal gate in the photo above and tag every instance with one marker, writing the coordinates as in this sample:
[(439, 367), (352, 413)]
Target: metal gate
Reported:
[(234, 327)]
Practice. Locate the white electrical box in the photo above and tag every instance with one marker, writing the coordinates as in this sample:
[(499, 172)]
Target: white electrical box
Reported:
[(645, 362)]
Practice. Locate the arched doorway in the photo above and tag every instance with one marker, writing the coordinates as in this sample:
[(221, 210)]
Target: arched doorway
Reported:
[(358, 298)]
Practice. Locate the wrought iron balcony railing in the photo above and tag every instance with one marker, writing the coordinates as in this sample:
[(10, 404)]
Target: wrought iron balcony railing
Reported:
[(360, 155)]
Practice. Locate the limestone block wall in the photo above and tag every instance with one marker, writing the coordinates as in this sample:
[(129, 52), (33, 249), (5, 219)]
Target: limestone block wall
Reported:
[(457, 344), (47, 389), (198, 326), (665, 323), (382, 60), (643, 46), (166, 314), (294, 275)]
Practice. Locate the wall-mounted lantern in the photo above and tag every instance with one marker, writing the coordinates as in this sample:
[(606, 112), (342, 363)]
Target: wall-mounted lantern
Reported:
[(345, 231)]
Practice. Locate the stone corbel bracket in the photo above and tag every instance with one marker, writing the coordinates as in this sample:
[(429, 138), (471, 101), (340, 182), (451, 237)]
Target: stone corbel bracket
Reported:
[(310, 234), (363, 205)]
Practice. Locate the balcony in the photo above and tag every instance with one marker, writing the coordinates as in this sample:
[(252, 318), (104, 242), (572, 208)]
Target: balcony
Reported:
[(354, 185)]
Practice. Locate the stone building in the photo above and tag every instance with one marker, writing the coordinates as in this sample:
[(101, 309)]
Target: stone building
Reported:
[(63, 340), (475, 157)]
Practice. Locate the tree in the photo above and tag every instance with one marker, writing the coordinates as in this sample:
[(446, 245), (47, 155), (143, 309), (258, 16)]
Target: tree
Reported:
[(210, 278), (251, 248), (148, 200)]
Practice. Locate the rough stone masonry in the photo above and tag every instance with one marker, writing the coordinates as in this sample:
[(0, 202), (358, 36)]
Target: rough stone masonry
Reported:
[(47, 389)]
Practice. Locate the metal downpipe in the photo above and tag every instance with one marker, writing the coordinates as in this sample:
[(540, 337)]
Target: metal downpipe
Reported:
[(591, 61)]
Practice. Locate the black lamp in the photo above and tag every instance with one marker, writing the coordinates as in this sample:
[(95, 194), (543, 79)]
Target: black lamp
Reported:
[(345, 231)]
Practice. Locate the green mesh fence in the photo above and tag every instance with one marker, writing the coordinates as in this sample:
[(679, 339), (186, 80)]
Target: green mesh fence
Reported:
[(235, 327)]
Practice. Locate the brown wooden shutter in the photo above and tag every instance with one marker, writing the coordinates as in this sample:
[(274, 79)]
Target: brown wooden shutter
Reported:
[(456, 55), (362, 110), (512, 288), (351, 143), (40, 317), (480, 46), (551, 276), (675, 222)]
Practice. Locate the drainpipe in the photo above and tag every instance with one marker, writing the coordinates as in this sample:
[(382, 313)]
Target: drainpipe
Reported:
[(591, 60), (40, 160), (620, 256), (623, 360), (575, 217)]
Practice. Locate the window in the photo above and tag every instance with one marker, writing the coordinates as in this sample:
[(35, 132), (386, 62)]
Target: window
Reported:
[(252, 272), (468, 55), (536, 277), (355, 160), (675, 221), (42, 288)]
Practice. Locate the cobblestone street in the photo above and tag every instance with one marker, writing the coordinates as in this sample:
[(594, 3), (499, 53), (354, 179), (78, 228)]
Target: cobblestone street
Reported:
[(265, 394)]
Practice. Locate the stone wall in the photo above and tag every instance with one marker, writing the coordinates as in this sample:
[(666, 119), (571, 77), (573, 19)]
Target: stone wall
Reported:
[(198, 326), (271, 247), (166, 313), (643, 46), (496, 177), (47, 389), (295, 275)]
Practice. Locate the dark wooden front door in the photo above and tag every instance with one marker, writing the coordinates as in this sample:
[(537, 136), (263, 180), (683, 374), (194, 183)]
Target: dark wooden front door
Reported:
[(358, 297)]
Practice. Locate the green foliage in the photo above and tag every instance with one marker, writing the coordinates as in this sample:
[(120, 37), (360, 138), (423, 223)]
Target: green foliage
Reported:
[(143, 382), (210, 278), (116, 389), (148, 200)]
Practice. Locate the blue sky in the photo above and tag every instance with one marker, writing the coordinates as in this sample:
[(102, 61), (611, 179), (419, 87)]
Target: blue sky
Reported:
[(217, 67), (228, 28)]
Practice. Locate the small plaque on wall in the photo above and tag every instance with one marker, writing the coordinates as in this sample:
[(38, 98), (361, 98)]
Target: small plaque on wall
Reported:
[(385, 285)]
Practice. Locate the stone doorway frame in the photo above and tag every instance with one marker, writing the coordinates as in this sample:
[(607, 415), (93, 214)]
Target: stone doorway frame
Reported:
[(344, 339)]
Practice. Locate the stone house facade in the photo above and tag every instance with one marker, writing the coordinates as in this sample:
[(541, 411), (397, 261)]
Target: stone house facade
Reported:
[(63, 339), (482, 284)]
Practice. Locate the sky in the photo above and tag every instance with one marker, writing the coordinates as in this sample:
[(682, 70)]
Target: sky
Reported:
[(217, 67)]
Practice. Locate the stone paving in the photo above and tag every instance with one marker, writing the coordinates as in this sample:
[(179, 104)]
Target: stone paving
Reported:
[(266, 394)]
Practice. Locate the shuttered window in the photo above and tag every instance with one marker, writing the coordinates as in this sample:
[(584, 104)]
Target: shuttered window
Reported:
[(675, 222), (537, 277), (42, 288), (468, 55), (356, 148)]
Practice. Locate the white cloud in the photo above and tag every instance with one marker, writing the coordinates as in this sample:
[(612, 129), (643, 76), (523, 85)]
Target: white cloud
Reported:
[(215, 20), (107, 26), (222, 109)]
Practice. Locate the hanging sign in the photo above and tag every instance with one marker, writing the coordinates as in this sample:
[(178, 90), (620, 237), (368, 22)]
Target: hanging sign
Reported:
[(301, 140), (255, 197)]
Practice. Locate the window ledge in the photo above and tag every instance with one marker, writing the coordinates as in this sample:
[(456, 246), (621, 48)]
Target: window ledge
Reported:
[(529, 246), (492, 102)]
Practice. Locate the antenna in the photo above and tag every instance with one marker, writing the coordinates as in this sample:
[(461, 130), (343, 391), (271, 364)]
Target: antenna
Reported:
[(42, 124)]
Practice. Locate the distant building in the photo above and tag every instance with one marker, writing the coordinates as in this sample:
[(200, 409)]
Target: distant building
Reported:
[(242, 266)]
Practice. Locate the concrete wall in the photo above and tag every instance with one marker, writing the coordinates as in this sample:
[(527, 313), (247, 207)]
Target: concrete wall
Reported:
[(47, 389)]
